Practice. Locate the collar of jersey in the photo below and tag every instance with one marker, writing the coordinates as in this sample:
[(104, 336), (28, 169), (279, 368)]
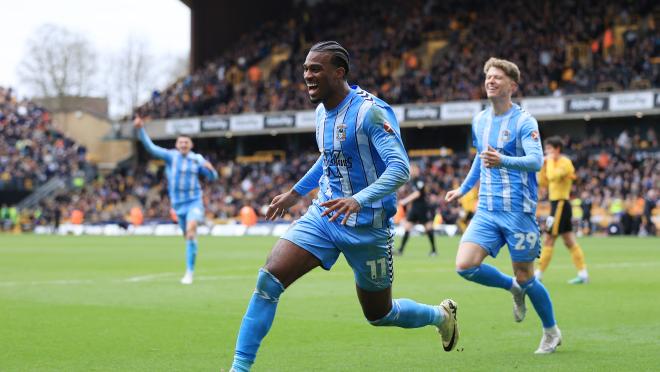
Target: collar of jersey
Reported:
[(509, 111), (344, 102)]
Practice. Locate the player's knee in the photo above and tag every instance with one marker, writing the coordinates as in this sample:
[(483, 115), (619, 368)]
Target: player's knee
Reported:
[(268, 286), (463, 263), (549, 240), (466, 271), (523, 276), (569, 242), (384, 320), (191, 231)]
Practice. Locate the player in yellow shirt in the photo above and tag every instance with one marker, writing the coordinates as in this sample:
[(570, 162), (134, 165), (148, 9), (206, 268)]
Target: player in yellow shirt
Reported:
[(557, 174)]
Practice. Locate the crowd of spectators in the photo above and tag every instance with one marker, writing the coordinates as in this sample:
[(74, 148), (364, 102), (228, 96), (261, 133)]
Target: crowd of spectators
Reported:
[(31, 150), (620, 186), (562, 47)]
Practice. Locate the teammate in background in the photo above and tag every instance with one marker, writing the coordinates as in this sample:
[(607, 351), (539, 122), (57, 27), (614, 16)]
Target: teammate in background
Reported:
[(361, 165), (509, 155), (557, 175), (418, 212), (183, 168)]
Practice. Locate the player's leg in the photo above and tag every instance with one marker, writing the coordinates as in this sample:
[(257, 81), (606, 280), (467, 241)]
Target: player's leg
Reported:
[(431, 234), (368, 254), (303, 247), (286, 263), (191, 251), (192, 217), (552, 224), (408, 225), (482, 238), (577, 255), (522, 237), (182, 219), (546, 255), (540, 298)]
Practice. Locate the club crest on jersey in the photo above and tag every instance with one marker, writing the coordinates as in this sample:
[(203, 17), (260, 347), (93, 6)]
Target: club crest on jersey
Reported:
[(506, 135), (388, 127), (535, 135), (341, 132)]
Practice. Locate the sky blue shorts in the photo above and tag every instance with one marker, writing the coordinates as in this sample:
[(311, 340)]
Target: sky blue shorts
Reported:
[(519, 230), (367, 250), (189, 211)]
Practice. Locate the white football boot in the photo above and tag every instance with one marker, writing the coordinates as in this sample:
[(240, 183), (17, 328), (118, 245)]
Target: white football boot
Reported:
[(187, 278), (449, 328), (549, 342)]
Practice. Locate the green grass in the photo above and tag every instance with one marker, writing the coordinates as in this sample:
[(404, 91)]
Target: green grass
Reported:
[(115, 304)]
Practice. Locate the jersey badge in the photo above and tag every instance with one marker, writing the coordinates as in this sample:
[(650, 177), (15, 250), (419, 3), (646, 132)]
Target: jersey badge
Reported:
[(341, 132), (388, 127)]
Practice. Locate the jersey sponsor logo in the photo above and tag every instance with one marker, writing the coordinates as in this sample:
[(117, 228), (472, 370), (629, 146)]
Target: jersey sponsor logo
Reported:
[(332, 159), (341, 132), (336, 158), (535, 135), (388, 128)]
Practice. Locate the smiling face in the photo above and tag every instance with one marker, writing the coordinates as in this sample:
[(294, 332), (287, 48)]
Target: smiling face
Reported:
[(498, 84), (184, 145), (323, 79)]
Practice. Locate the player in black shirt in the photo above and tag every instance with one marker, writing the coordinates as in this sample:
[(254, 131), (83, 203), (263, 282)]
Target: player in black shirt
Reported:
[(418, 211)]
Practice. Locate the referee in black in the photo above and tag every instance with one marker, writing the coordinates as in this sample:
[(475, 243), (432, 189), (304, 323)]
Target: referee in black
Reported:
[(418, 211)]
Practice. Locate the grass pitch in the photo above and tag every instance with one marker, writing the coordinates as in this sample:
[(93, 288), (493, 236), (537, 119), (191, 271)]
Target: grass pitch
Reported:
[(115, 304)]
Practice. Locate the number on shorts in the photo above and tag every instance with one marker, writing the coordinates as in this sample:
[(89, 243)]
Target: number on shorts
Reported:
[(530, 237), (382, 262)]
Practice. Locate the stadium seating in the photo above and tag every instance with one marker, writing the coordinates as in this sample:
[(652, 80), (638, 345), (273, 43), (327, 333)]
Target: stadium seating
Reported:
[(429, 52), (616, 182), (31, 150)]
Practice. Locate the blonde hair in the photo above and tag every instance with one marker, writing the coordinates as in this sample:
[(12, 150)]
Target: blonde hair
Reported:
[(510, 69)]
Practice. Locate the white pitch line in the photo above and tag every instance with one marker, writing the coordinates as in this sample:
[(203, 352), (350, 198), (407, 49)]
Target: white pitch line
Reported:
[(47, 282), (146, 278), (152, 277)]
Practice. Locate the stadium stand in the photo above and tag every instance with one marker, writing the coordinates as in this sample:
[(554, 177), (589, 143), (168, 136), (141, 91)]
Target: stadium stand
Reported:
[(621, 184), (428, 52), (31, 151)]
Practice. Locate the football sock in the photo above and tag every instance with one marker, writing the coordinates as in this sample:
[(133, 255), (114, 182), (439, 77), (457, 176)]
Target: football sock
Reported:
[(546, 257), (541, 301), (431, 239), (487, 275), (578, 257), (191, 254), (406, 313), (404, 241), (257, 320)]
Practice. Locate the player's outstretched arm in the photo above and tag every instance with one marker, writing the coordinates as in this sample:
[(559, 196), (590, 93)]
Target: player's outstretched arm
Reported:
[(281, 203), (452, 195), (310, 180), (208, 171), (468, 183), (154, 150)]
